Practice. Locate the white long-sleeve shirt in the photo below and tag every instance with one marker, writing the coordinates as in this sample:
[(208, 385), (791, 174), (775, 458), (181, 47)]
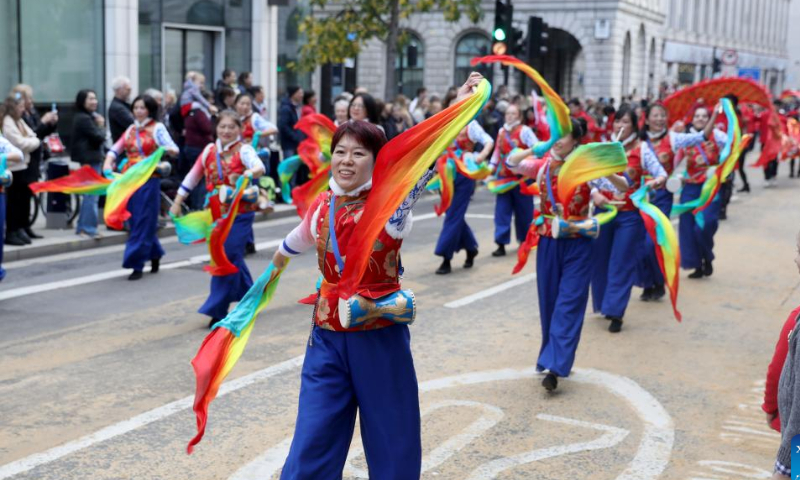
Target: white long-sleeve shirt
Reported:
[(526, 136), (160, 135), (261, 124), (247, 154), (5, 148)]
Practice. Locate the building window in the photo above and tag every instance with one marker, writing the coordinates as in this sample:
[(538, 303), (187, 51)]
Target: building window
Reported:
[(686, 73), (290, 41), (9, 45), (409, 65), (469, 46)]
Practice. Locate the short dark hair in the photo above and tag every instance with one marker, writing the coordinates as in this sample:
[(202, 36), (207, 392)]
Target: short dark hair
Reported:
[(370, 105), (243, 76), (149, 103), (291, 90), (255, 89), (578, 127), (227, 72), (421, 90), (368, 135), (650, 108), (308, 95), (575, 102), (226, 92), (630, 112), (241, 96)]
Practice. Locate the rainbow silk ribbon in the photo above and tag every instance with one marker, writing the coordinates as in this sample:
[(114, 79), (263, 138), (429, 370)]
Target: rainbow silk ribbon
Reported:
[(194, 227), (304, 195), (286, 170), (222, 347), (557, 111), (401, 163), (665, 240), (589, 162), (121, 190), (83, 181), (446, 169), (220, 264)]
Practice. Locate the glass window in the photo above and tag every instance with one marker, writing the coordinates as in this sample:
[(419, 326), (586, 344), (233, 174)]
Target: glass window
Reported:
[(199, 12), (9, 45), (239, 14), (290, 40), (237, 50), (410, 66), (470, 46), (61, 58)]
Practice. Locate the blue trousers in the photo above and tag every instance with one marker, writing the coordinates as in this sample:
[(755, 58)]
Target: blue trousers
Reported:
[(143, 244), (614, 259), (368, 372), (649, 271), (226, 289), (697, 244), (521, 206), (2, 232), (456, 234), (563, 269)]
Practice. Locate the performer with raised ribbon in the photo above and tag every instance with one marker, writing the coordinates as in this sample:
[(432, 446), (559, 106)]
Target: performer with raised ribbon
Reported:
[(138, 143), (8, 154), (222, 163), (512, 201), (614, 256), (569, 177), (254, 126), (456, 233)]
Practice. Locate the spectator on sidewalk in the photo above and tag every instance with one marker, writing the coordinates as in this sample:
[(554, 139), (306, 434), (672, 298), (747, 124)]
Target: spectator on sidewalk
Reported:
[(13, 155), (228, 80), (199, 132), (42, 126), (309, 103), (88, 136), (18, 194), (422, 94), (120, 115), (259, 100), (192, 96), (364, 107), (288, 115), (340, 111), (245, 82), (227, 98)]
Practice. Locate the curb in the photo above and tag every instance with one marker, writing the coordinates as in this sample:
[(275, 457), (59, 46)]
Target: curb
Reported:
[(78, 244)]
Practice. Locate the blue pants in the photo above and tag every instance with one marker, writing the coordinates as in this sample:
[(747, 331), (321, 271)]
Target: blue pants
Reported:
[(649, 271), (231, 288), (614, 258), (87, 219), (563, 269), (143, 244), (368, 372), (456, 234), (697, 244), (2, 234), (521, 206)]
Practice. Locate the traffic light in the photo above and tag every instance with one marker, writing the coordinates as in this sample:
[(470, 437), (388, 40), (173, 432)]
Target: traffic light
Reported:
[(517, 43), (502, 35), (536, 44)]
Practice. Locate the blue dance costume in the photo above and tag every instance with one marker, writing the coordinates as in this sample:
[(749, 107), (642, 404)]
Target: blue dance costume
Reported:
[(513, 202)]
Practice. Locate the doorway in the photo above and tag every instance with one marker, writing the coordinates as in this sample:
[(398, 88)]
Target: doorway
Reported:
[(191, 47)]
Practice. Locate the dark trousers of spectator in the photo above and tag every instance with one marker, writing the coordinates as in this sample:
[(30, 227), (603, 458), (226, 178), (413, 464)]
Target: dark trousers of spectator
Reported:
[(18, 203), (742, 172)]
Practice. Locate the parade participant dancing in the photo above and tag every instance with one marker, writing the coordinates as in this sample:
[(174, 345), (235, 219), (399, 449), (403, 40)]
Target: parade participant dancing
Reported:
[(659, 144), (514, 202), (222, 163), (138, 142), (563, 262), (9, 154), (696, 241), (614, 251), (456, 233), (252, 122)]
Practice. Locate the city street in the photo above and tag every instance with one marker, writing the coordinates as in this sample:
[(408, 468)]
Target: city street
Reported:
[(96, 381)]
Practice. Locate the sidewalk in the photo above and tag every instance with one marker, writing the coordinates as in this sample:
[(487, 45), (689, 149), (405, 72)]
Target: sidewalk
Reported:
[(65, 240)]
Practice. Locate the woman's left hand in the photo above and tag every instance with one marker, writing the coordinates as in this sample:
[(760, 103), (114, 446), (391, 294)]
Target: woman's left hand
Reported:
[(656, 182), (473, 81), (599, 199)]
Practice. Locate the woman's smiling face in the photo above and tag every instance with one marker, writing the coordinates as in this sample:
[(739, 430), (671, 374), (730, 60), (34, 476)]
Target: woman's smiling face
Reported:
[(351, 164)]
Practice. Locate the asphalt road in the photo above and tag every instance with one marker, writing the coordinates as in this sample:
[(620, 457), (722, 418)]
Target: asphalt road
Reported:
[(96, 382)]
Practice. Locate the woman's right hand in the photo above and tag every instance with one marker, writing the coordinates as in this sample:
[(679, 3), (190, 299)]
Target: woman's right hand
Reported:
[(279, 262), (100, 121), (175, 209)]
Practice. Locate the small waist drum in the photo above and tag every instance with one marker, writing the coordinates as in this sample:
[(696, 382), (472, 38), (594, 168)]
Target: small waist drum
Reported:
[(397, 307), (561, 228)]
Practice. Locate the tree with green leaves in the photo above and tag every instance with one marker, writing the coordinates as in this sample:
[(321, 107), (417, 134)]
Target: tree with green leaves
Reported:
[(342, 27)]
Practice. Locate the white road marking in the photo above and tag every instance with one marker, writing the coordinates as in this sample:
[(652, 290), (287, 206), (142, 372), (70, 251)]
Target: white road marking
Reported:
[(739, 470), (99, 277), (652, 455), (611, 437), (270, 461), (125, 426), (490, 291)]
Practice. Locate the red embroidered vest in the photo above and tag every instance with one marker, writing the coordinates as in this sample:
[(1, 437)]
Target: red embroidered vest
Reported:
[(635, 172), (666, 156), (248, 132), (381, 277), (147, 142), (696, 164), (506, 143), (231, 162), (578, 207)]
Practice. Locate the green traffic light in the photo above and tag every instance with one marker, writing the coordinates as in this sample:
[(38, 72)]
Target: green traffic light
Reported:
[(499, 34)]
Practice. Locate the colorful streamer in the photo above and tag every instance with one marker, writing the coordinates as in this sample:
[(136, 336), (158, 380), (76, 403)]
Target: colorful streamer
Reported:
[(304, 195), (222, 347), (220, 264), (446, 169), (557, 111), (529, 244), (286, 170), (468, 167), (315, 149), (502, 185), (399, 166), (83, 181), (665, 240), (125, 185), (589, 162), (194, 227)]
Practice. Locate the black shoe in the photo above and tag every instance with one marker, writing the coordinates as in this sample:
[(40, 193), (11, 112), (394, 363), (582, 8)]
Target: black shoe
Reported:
[(24, 236), (616, 325), (723, 215), (213, 322), (500, 252), (136, 275), (745, 189), (14, 239), (470, 261), (249, 248), (31, 233), (155, 263), (550, 382), (698, 273), (444, 268), (708, 269), (646, 295), (658, 292)]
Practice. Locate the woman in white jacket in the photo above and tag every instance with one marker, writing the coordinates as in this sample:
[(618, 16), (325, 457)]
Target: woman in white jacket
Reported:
[(18, 195)]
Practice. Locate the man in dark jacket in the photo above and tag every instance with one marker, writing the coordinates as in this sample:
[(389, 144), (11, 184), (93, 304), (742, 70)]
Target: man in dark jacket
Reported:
[(288, 115), (120, 115)]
